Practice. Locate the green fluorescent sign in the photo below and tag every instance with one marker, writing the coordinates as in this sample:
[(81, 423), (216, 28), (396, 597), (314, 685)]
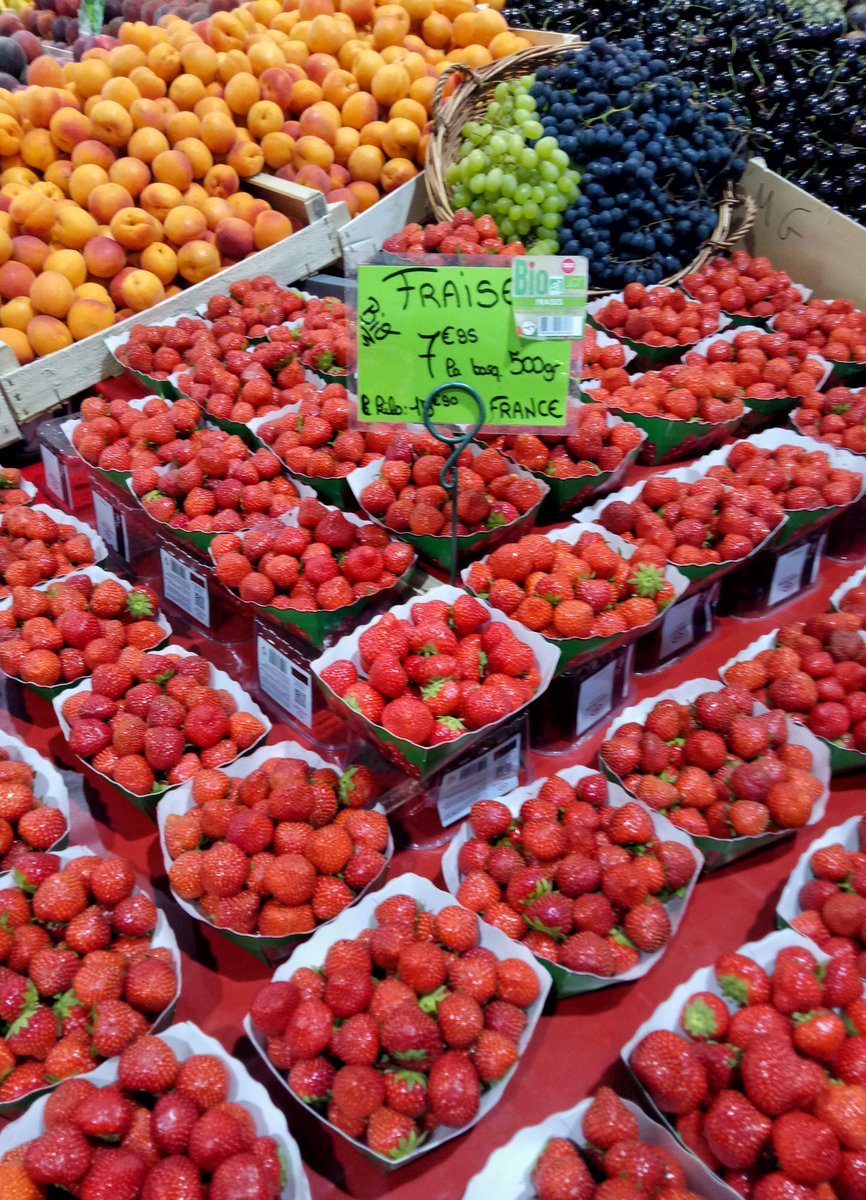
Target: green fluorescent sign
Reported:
[(420, 326)]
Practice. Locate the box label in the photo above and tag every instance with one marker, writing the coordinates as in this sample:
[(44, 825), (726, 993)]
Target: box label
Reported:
[(678, 627), (492, 774), (788, 574), (56, 480), (548, 293), (110, 525), (596, 698), (420, 326), (287, 684), (185, 588)]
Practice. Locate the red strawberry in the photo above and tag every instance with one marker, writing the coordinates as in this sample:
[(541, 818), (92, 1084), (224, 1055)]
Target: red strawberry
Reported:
[(670, 1071), (705, 1017), (806, 1148), (607, 1120), (61, 1156), (735, 1131), (453, 1088), (742, 980), (391, 1133)]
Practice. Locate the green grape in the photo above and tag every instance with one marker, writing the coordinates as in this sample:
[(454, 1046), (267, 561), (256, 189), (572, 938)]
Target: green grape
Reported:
[(453, 174), (522, 193), (559, 157), (477, 184), (528, 159), (502, 205), (508, 185), (494, 181), (531, 211), (538, 193), (525, 102), (545, 147), (548, 171), (550, 220)]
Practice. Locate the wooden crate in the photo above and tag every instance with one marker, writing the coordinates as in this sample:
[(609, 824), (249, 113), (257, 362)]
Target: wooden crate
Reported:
[(817, 246), (39, 386)]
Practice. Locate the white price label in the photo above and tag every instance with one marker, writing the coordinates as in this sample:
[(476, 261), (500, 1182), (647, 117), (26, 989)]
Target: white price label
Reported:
[(490, 775), (56, 481), (185, 588), (287, 684), (678, 627), (110, 525), (595, 699), (787, 574)]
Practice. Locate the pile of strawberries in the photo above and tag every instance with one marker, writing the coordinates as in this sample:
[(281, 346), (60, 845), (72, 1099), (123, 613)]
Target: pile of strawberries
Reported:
[(595, 447), (398, 1031), (240, 384), (854, 600), (80, 979), (713, 768), (659, 316), (62, 633), (563, 590), (577, 882), (280, 851), (252, 306), (692, 523), (216, 484), (797, 478), (817, 674), (742, 285), (160, 350), (597, 357), (835, 329), (323, 562), (610, 1160), (150, 721), (35, 548), (833, 902), (326, 340), (115, 436), (445, 670), (837, 416), (764, 1078), (764, 366), (314, 437), (12, 494), (463, 234), (165, 1128), (682, 393), (27, 821), (408, 496)]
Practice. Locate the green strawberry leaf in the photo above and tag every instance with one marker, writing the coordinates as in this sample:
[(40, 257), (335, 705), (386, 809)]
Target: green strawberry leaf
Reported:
[(156, 494), (64, 1004), (646, 581), (22, 884), (406, 1145), (31, 1003), (621, 938), (284, 1166), (139, 605), (495, 520), (537, 924), (430, 1003)]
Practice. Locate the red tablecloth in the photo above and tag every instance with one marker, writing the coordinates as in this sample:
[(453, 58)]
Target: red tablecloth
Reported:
[(576, 1045)]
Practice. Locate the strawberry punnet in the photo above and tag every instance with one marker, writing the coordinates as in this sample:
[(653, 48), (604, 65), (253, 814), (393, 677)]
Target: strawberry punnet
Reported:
[(28, 821), (743, 286), (658, 316), (795, 476), (596, 446), (837, 416), (13, 492), (114, 435), (831, 904), (39, 544)]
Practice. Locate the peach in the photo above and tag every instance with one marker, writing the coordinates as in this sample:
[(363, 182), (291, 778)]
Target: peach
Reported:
[(104, 257), (16, 313), (140, 290), (263, 118), (111, 122), (106, 200), (116, 284), (29, 250), (396, 172), (74, 226), (319, 66), (314, 177), (367, 193), (276, 85), (172, 167), (215, 210), (68, 126), (160, 198), (221, 180), (348, 198), (197, 261), (347, 140), (52, 294), (84, 180), (134, 228), (90, 152), (86, 317), (184, 224), (270, 227), (160, 260), (69, 263), (147, 114), (246, 158), (292, 128), (234, 238), (200, 157), (359, 110), (17, 341), (46, 334), (320, 120), (146, 143), (278, 149)]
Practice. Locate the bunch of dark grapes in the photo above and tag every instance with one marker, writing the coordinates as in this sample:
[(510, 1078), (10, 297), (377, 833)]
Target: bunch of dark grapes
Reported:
[(653, 162), (799, 80)]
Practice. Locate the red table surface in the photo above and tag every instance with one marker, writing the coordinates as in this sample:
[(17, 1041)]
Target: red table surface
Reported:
[(576, 1044)]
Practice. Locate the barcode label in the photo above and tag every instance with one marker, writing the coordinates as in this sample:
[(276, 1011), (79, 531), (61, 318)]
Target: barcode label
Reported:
[(788, 574), (490, 775), (678, 627), (56, 481), (595, 699), (110, 525), (567, 326), (287, 684), (185, 588)]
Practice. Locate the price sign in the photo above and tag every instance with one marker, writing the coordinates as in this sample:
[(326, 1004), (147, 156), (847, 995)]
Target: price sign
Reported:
[(421, 326), (488, 775), (185, 588), (287, 684)]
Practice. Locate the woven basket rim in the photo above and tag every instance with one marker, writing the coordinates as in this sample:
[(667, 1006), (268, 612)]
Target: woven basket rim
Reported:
[(470, 97)]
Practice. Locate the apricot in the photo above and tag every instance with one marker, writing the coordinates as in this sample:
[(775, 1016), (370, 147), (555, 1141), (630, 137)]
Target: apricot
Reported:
[(241, 92), (313, 151), (197, 261), (69, 263), (131, 174), (159, 199), (436, 30), (184, 224), (200, 157), (247, 207), (417, 10), (359, 110), (123, 59), (364, 66), (182, 125), (199, 59), (314, 177), (172, 167), (367, 193), (59, 173), (140, 290), (304, 93), (34, 212), (164, 61), (37, 149), (67, 126), (264, 54), (343, 195), (121, 90), (400, 138), (74, 226), (149, 116), (264, 117), (106, 200), (86, 317), (396, 172), (17, 341), (5, 246), (346, 141), (160, 260), (149, 85), (29, 250), (360, 12), (246, 158), (46, 334), (16, 313), (45, 72), (186, 90), (195, 195), (90, 77), (111, 122), (52, 294), (215, 209), (421, 91), (104, 257), (234, 238), (221, 180), (270, 227), (146, 143), (372, 134), (134, 228), (505, 44)]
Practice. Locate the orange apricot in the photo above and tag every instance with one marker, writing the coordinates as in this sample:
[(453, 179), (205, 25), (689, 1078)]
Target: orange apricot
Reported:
[(47, 334), (86, 317)]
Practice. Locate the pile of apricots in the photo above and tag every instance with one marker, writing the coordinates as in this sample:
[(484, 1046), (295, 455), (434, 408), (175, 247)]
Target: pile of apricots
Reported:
[(121, 176)]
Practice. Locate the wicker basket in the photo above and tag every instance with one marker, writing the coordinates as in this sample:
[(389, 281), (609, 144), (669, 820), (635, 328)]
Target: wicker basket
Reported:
[(469, 102)]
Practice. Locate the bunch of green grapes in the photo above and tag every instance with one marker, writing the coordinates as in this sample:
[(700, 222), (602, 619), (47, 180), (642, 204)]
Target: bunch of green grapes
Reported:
[(507, 169)]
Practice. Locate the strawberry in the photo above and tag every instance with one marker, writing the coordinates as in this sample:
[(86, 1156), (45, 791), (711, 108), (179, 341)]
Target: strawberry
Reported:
[(61, 1157), (608, 1121), (204, 1079), (704, 1017), (115, 1173), (806, 1148), (242, 1177), (666, 1067), (391, 1133), (742, 980), (453, 1089), (735, 1131), (147, 1065)]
